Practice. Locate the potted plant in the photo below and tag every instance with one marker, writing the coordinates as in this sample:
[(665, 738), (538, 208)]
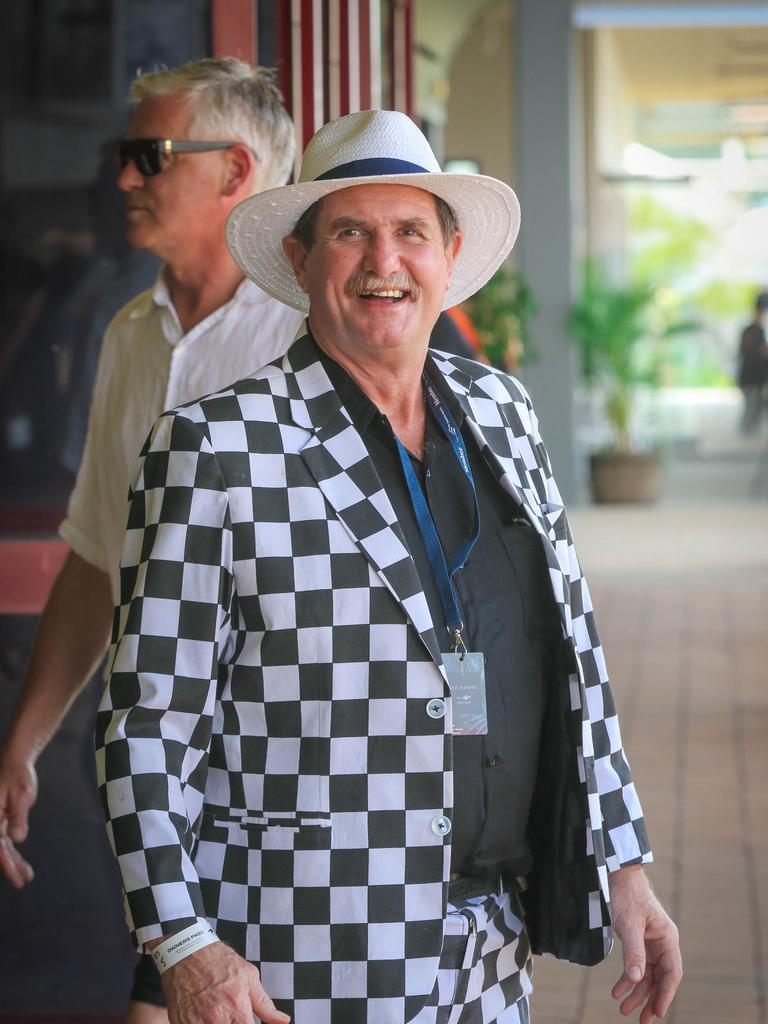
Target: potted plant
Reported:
[(500, 313), (619, 331)]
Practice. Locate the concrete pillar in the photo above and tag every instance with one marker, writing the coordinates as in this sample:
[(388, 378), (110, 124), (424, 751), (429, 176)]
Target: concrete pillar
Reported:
[(548, 148)]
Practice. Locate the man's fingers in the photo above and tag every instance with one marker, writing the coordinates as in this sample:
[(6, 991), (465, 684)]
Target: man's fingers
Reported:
[(634, 971), (12, 864), (669, 974), (625, 987), (654, 993), (24, 867), (638, 997), (633, 950), (17, 794), (8, 864), (18, 819), (634, 962), (647, 1015), (262, 1005)]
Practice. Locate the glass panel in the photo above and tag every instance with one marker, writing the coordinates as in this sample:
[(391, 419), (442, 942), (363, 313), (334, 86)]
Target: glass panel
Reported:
[(65, 66), (65, 268)]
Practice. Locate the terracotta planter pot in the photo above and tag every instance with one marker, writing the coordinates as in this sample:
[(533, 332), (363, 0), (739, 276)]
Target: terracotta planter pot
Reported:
[(625, 477)]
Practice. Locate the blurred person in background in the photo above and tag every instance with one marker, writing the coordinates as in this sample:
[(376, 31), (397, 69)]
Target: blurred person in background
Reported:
[(202, 137), (753, 366)]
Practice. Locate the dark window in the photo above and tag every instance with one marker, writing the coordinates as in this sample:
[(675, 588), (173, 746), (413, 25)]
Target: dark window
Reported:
[(64, 266)]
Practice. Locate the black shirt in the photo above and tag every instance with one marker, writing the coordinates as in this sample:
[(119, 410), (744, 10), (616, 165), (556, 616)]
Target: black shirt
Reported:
[(508, 612)]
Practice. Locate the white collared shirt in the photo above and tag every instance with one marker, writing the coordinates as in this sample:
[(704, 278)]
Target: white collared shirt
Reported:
[(147, 365)]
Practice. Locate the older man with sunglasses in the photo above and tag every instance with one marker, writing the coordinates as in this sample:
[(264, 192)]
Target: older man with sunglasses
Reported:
[(358, 748), (202, 138)]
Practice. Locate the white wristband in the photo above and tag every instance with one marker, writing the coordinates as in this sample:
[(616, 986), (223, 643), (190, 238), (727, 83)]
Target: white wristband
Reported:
[(178, 946)]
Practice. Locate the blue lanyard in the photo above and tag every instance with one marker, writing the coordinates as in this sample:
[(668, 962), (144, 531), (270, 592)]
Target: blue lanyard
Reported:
[(442, 571)]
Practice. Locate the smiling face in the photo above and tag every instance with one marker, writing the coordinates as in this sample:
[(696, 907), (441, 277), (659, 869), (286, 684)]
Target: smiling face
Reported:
[(377, 271)]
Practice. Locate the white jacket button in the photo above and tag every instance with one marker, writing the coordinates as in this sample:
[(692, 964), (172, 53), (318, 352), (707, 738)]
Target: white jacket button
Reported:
[(436, 707), (441, 825)]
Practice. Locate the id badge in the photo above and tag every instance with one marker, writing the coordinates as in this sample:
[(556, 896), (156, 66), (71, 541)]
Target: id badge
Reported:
[(466, 677)]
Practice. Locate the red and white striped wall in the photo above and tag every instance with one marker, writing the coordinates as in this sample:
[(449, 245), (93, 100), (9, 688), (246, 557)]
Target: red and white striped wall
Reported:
[(333, 57)]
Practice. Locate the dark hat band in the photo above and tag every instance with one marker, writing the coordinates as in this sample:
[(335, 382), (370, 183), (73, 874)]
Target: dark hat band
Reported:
[(371, 167)]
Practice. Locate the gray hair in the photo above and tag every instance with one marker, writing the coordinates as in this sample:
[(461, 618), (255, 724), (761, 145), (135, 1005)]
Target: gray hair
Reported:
[(231, 99)]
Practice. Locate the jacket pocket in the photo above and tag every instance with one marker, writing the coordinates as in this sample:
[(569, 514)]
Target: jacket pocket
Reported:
[(268, 831), (249, 866)]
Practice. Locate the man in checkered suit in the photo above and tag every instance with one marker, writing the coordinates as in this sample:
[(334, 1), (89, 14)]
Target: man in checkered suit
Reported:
[(284, 747)]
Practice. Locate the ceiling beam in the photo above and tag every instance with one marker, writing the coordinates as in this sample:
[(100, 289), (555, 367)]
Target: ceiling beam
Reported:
[(668, 15)]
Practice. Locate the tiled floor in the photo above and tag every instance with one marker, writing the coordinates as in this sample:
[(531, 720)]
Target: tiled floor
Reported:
[(681, 591), (79, 1019)]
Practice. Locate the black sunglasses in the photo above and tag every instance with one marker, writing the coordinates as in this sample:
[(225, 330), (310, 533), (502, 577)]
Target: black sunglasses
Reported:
[(147, 153)]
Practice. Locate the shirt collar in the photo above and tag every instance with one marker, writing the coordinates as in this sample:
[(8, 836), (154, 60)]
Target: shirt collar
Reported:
[(247, 293), (160, 295)]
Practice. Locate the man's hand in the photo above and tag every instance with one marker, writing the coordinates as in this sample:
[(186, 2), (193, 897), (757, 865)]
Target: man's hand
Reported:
[(12, 864), (18, 791), (216, 986), (653, 966), (71, 638)]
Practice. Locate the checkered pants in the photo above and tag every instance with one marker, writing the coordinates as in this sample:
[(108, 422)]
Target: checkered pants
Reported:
[(485, 967)]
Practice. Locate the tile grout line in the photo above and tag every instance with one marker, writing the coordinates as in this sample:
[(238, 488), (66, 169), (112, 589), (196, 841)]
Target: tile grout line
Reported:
[(742, 800), (680, 772), (628, 714), (581, 996), (630, 692)]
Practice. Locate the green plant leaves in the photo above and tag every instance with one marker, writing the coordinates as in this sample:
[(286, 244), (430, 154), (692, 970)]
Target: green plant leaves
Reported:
[(620, 330)]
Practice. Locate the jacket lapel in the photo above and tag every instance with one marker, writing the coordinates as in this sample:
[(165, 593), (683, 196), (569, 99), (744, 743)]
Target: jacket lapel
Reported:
[(508, 469), (336, 456), (509, 466)]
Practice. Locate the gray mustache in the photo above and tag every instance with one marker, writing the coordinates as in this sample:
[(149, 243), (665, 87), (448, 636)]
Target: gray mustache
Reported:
[(361, 283)]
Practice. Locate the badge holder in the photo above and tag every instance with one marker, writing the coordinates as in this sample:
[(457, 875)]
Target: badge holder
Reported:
[(465, 670), (466, 677)]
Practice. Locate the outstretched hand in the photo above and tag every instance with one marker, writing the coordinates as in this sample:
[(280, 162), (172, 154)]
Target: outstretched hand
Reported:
[(653, 965)]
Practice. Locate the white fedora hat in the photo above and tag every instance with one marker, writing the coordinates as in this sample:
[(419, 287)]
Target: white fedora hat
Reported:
[(373, 147)]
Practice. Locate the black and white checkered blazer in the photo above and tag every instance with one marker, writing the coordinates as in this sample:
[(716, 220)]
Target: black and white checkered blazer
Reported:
[(265, 754)]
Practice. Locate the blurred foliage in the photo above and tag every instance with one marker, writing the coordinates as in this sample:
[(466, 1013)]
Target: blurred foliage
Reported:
[(724, 299), (501, 313), (673, 244), (686, 367), (621, 331), (676, 249)]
